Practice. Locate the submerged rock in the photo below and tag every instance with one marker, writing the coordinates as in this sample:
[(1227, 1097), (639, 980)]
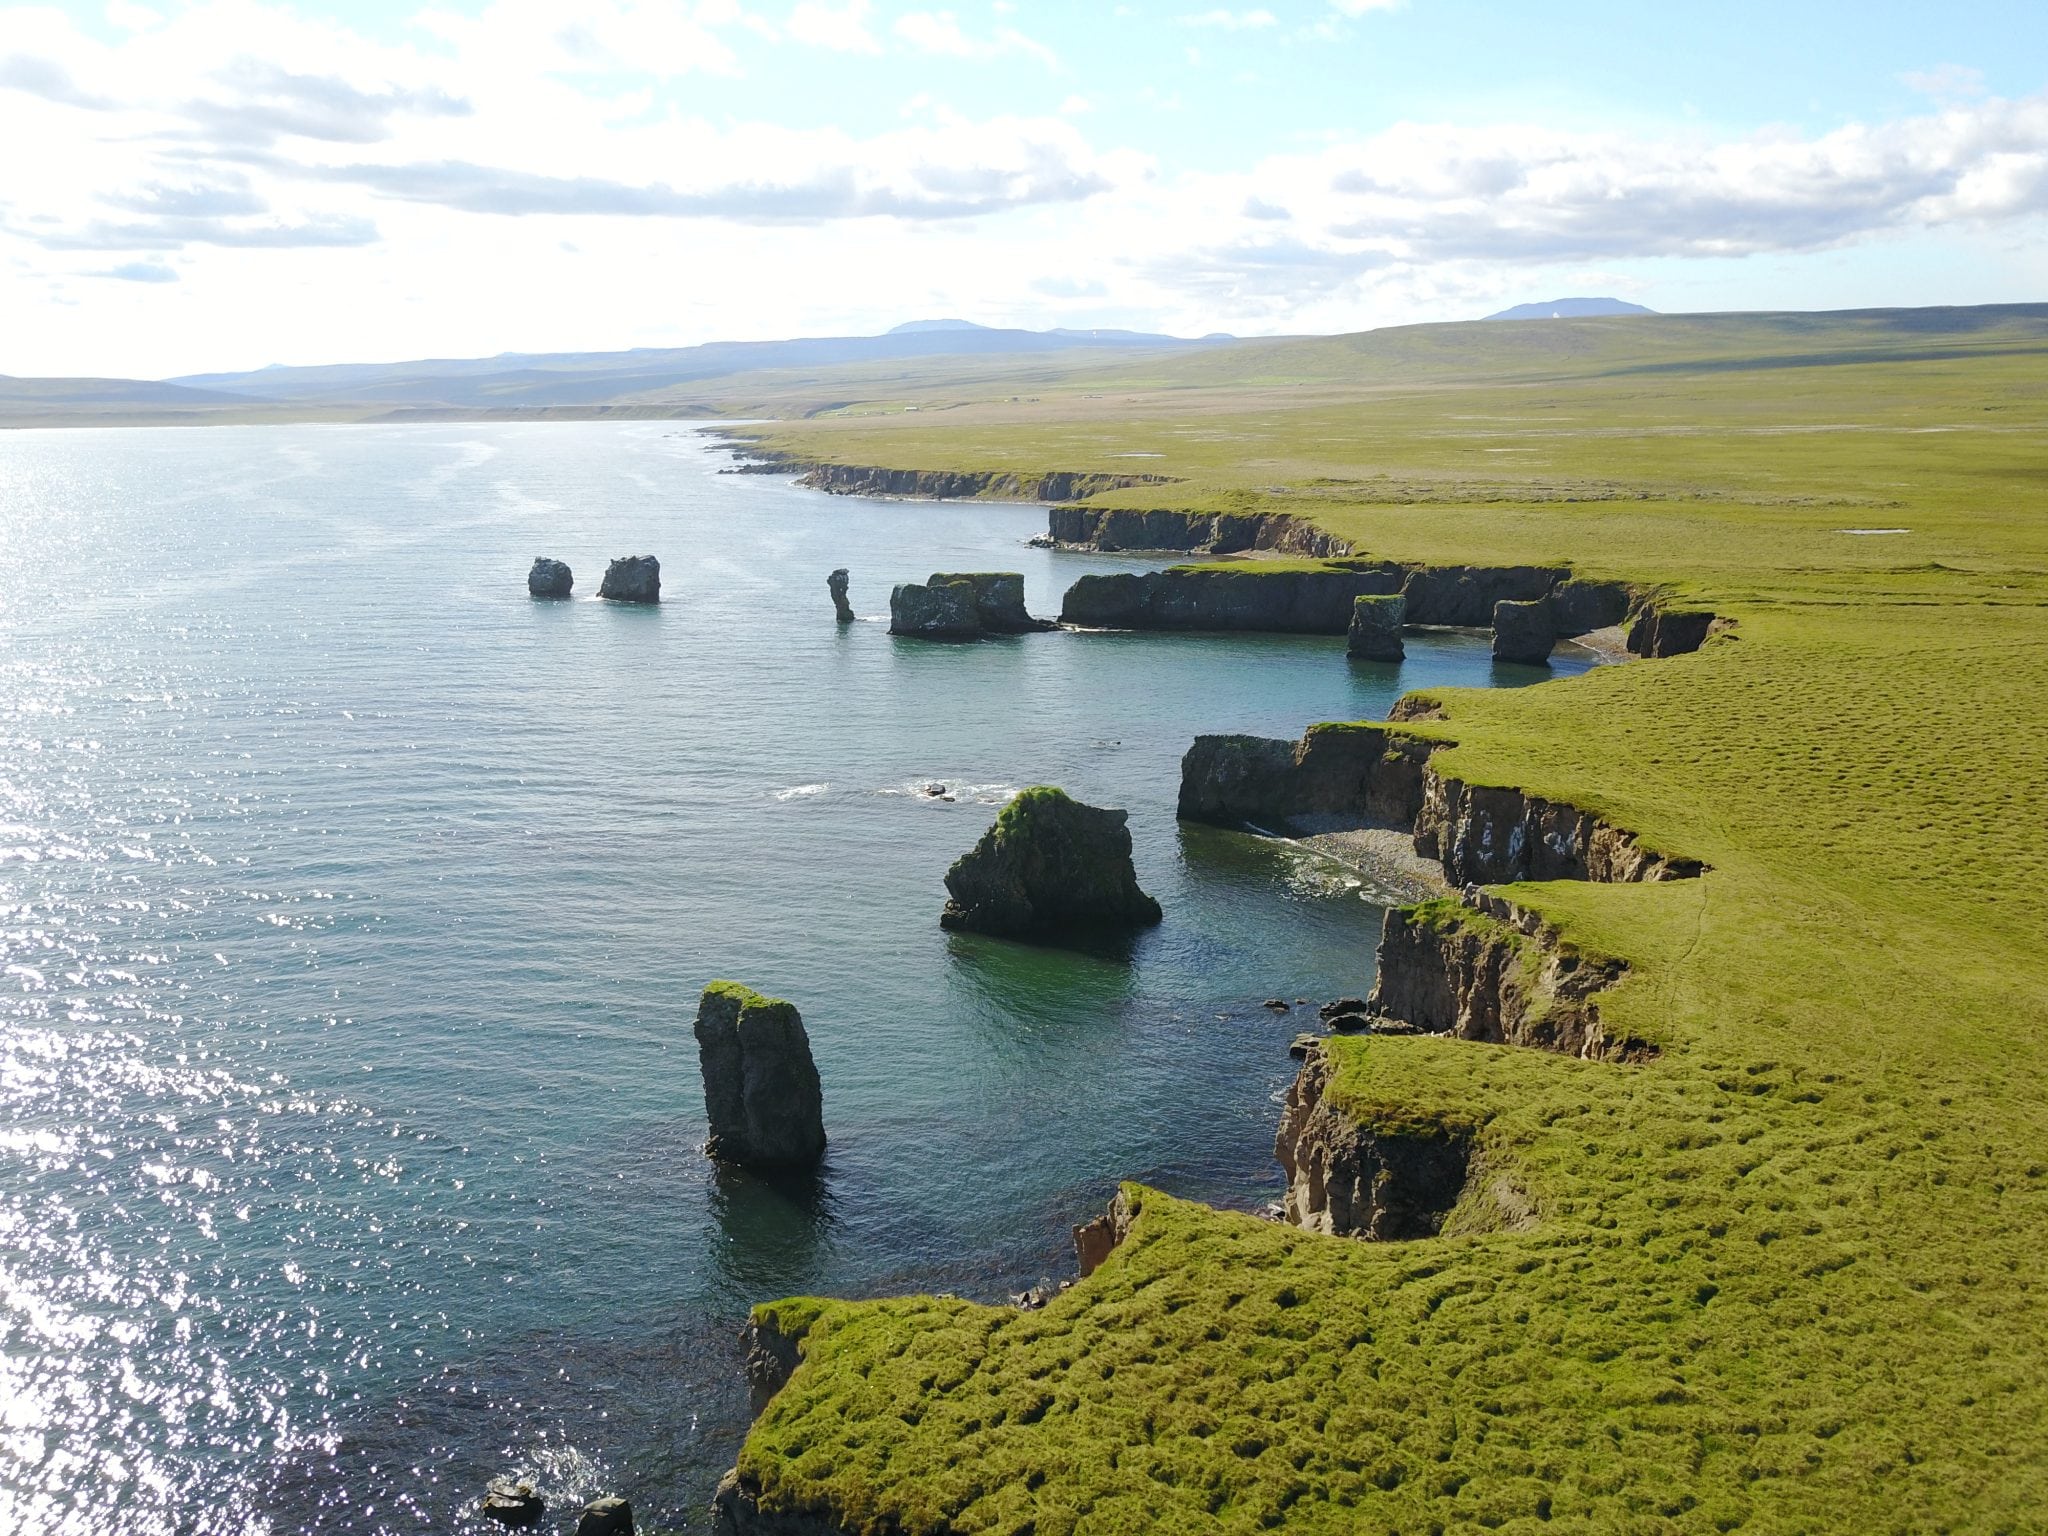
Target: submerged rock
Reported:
[(761, 1088), (1049, 865), (511, 1502), (605, 1517), (836, 582), (635, 579), (549, 578), (1376, 628), (1524, 632)]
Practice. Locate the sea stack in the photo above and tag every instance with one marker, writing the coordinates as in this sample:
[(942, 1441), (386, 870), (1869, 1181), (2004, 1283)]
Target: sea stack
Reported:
[(761, 1087), (635, 579), (1376, 628), (963, 605), (549, 578), (837, 583), (1523, 632), (1050, 866)]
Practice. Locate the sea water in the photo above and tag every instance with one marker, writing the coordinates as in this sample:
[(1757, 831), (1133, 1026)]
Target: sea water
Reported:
[(354, 908)]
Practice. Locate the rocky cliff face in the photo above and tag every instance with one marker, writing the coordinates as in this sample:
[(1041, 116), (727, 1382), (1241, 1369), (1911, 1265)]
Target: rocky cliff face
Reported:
[(1321, 601), (1095, 1240), (959, 485), (1479, 968), (1348, 1179), (1336, 775), (1215, 533), (1658, 630), (1486, 836)]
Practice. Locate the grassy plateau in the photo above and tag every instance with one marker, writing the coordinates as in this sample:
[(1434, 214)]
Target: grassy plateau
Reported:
[(1792, 1275)]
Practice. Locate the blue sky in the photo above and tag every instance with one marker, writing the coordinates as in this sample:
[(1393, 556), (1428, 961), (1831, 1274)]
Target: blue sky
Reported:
[(225, 183)]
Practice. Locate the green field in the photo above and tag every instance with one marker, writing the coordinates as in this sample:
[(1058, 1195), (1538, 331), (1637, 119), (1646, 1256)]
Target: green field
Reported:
[(1790, 1276)]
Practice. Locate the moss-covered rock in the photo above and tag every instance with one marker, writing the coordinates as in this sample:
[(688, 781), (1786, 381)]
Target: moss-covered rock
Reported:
[(1049, 866), (1376, 628), (761, 1089)]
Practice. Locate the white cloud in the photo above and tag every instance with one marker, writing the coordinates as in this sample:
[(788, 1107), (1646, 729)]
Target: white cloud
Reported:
[(842, 28), (1232, 21), (940, 32), (1946, 82), (1362, 7), (509, 182)]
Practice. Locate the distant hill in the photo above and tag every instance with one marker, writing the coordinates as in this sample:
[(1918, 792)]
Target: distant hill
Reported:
[(48, 392), (590, 378), (1571, 309)]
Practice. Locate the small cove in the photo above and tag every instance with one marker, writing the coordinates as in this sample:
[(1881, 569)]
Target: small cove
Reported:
[(356, 908)]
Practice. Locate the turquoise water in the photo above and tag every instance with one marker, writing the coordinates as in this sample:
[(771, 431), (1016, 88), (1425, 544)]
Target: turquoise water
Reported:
[(353, 909)]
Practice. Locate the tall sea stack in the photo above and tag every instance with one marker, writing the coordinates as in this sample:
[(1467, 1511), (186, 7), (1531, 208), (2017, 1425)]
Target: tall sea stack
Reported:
[(761, 1088), (836, 583), (1376, 628)]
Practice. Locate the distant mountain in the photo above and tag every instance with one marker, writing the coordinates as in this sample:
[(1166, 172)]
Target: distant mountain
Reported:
[(593, 378), (108, 392), (1571, 309)]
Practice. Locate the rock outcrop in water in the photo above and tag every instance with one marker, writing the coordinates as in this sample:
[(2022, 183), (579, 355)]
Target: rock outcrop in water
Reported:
[(634, 579), (836, 583), (1524, 632), (963, 605), (511, 1502), (549, 578), (605, 1517), (1049, 867), (761, 1090), (1376, 628)]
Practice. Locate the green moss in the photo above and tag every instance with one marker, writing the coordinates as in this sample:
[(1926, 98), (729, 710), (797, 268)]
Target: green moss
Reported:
[(745, 996), (1787, 1275)]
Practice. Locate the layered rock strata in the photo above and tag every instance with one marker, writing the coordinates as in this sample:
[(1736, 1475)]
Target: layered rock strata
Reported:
[(634, 579), (1049, 867), (1336, 775), (957, 485), (1347, 1179), (549, 578), (1095, 1240), (761, 1089), (963, 605), (1476, 967), (1110, 529), (1375, 633), (1319, 600)]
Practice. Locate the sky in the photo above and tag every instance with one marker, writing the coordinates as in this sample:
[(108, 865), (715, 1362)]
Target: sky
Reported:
[(224, 184)]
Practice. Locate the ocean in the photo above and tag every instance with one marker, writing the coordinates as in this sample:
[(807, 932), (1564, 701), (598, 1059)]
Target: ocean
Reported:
[(354, 908)]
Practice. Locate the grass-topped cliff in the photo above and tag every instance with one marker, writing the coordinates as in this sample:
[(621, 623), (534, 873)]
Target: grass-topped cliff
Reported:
[(1785, 1277)]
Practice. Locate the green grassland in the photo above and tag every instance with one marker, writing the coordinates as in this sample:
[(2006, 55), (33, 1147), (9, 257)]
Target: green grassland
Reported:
[(1790, 1276)]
